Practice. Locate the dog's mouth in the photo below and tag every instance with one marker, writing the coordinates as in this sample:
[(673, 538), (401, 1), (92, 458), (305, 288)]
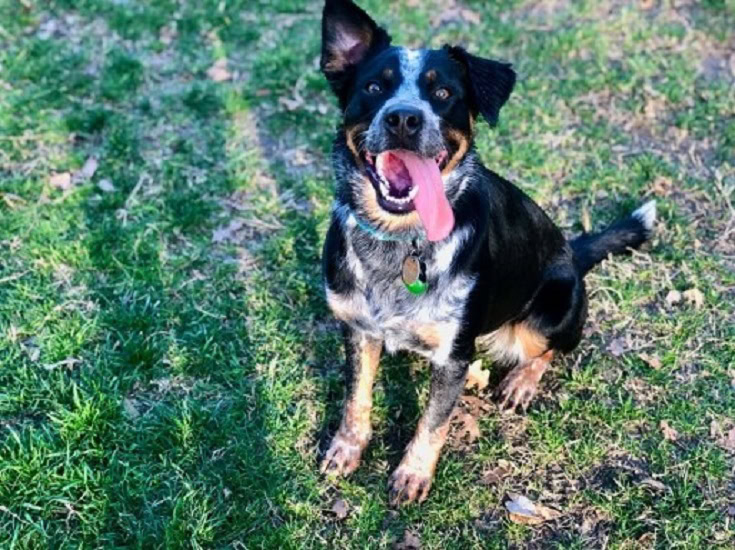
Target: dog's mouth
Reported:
[(405, 181), (392, 180)]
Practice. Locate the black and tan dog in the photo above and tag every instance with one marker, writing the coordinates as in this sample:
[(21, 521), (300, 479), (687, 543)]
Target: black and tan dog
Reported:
[(428, 249)]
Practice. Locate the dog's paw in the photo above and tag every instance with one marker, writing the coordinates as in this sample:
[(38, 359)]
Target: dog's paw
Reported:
[(518, 388), (409, 483), (343, 456)]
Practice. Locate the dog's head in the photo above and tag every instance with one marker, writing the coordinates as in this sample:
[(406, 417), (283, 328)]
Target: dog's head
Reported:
[(408, 117)]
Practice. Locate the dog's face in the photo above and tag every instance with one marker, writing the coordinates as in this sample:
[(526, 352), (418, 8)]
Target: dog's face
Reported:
[(408, 117)]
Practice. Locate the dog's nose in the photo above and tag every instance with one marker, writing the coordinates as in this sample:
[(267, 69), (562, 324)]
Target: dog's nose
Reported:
[(403, 121)]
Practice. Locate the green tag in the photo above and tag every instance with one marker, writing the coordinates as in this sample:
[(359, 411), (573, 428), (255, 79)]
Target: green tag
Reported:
[(413, 275)]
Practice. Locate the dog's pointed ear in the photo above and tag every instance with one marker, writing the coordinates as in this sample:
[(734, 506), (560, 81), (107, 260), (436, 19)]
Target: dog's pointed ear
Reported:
[(349, 35), (490, 82)]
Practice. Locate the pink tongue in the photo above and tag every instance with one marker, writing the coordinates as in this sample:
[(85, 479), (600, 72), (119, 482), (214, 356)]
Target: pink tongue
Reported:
[(430, 201)]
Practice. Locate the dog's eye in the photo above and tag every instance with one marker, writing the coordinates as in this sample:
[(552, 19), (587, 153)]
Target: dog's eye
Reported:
[(442, 93), (373, 88)]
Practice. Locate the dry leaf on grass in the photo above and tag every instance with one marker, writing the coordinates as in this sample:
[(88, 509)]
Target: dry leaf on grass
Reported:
[(617, 347), (653, 484), (69, 363), (525, 512), (647, 4), (219, 72), (732, 65), (129, 406), (227, 232), (724, 435), (106, 186), (467, 427), (497, 474), (652, 361), (11, 199), (477, 376), (61, 180), (662, 186), (669, 433), (410, 541), (88, 170), (340, 508), (673, 297), (694, 297)]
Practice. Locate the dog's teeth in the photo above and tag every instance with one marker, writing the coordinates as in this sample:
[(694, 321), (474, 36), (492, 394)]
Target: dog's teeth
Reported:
[(412, 193)]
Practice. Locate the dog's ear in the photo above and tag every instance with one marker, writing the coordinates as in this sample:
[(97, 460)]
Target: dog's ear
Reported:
[(490, 82), (349, 35)]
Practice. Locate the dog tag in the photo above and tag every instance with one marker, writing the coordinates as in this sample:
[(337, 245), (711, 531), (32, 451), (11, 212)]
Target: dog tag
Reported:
[(413, 275)]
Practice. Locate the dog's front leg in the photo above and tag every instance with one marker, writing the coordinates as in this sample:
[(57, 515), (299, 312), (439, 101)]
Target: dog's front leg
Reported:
[(412, 479), (363, 356)]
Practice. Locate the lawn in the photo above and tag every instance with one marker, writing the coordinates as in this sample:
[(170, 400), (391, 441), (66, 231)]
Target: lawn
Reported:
[(169, 370)]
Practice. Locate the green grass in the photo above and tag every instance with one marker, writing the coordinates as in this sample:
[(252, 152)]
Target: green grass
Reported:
[(161, 388)]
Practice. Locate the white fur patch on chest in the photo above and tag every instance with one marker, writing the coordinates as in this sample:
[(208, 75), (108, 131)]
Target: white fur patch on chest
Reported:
[(427, 324)]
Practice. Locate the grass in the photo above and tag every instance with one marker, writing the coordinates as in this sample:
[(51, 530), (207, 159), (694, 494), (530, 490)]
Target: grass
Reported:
[(168, 368)]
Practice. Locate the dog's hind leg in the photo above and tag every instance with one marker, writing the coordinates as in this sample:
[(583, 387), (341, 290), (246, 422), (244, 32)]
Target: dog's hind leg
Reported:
[(363, 357), (553, 324)]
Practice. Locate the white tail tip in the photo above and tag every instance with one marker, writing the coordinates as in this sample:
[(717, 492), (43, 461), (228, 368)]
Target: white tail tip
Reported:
[(646, 214)]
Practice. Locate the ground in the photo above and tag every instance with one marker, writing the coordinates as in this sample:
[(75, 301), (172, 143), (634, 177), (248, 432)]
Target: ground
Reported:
[(169, 371)]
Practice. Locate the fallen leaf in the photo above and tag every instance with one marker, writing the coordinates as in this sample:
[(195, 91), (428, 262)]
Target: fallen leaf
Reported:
[(106, 186), (617, 347), (673, 297), (724, 436), (694, 297), (88, 170), (497, 474), (586, 221), (227, 232), (662, 186), (647, 4), (12, 200), (525, 512), (731, 510), (218, 72), (167, 34), (340, 508), (477, 376), (669, 433), (729, 441), (410, 541), (129, 406), (474, 405), (732, 65), (61, 180), (69, 363), (468, 427), (652, 361), (291, 104), (653, 484)]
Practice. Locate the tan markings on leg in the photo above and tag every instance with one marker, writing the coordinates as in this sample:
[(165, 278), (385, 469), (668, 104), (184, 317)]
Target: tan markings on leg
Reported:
[(521, 384), (463, 144), (343, 456), (430, 334), (515, 343), (531, 341), (413, 478)]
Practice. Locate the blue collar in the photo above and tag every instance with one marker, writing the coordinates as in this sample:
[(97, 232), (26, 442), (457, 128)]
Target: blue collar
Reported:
[(377, 233)]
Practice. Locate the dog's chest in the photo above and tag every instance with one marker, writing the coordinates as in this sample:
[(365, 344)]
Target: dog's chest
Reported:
[(381, 305)]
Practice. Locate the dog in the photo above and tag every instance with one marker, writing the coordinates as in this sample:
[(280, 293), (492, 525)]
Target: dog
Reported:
[(428, 249)]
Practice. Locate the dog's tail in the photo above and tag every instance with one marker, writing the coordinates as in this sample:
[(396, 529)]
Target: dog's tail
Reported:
[(631, 232)]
